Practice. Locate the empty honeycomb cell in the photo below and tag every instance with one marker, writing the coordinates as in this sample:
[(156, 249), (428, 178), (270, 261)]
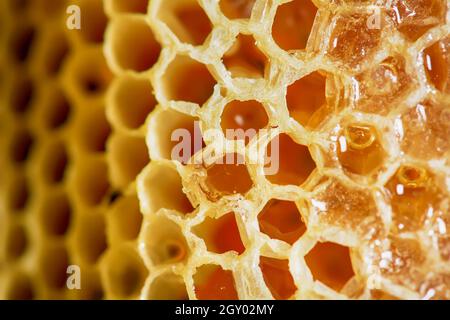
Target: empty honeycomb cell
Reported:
[(359, 150), (54, 52), (53, 261), (237, 9), (125, 218), (413, 196), (20, 287), (21, 145), (306, 100), (178, 81), (91, 181), (165, 126), (167, 286), (415, 18), (56, 214), (89, 237), (123, 273), (131, 6), (21, 94), (294, 161), (221, 235), (239, 118), (244, 59), (214, 283), (54, 163), (277, 277), (93, 21), (162, 186), (128, 155), (330, 263), (230, 176), (92, 130), (426, 128), (437, 65), (19, 193), (132, 101), (380, 88), (21, 42), (163, 241), (187, 20), (293, 23), (129, 31), (87, 74), (352, 41), (91, 286), (17, 241), (281, 220), (56, 110)]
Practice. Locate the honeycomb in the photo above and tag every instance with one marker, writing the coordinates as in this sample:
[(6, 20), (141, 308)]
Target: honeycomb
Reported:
[(349, 100)]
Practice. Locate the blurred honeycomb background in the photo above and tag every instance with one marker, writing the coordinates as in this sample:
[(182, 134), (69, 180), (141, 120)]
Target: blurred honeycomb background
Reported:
[(356, 93)]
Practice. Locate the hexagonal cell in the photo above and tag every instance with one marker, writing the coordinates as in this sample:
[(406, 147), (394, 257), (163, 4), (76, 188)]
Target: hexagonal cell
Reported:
[(55, 213), (241, 120), (131, 102), (53, 261), (352, 41), (89, 237), (229, 176), (163, 188), (88, 73), (54, 162), (383, 87), (56, 109), (187, 20), (277, 277), (437, 64), (413, 18), (163, 241), (413, 192), (21, 42), (330, 263), (426, 130), (167, 286), (53, 50), (214, 283), (91, 181), (18, 193), (351, 209), (293, 161), (220, 235), (125, 219), (92, 130), (293, 23), (359, 150), (237, 9), (306, 100), (21, 93), (129, 6), (244, 59), (21, 145), (178, 81), (123, 273), (127, 156), (16, 243), (132, 32), (94, 20), (281, 220), (169, 130), (19, 287)]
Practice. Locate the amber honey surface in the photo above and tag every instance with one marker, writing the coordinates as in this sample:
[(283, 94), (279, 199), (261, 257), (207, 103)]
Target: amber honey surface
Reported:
[(348, 100)]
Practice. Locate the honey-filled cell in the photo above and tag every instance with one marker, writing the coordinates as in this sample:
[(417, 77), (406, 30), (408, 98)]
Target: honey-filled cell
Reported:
[(240, 9), (214, 283), (277, 277)]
